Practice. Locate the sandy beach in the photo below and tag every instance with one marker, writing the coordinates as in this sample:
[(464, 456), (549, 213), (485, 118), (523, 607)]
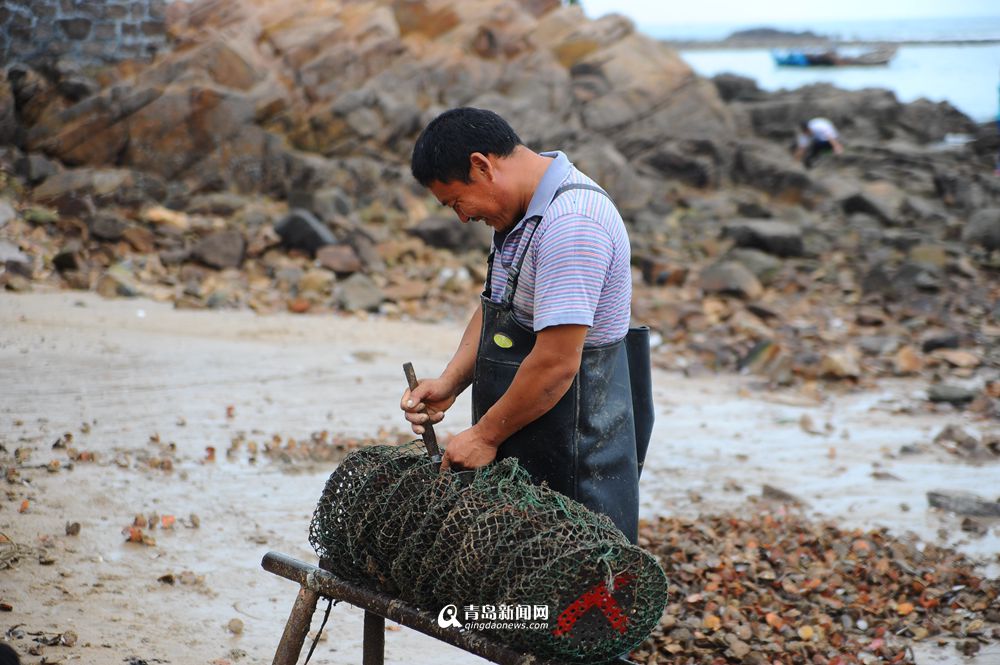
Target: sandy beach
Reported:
[(135, 382)]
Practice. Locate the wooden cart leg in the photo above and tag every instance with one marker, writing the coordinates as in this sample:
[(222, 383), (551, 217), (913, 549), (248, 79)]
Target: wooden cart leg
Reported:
[(374, 645), (296, 629)]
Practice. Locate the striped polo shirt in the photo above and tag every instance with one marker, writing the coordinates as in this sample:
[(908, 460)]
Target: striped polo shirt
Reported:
[(577, 269)]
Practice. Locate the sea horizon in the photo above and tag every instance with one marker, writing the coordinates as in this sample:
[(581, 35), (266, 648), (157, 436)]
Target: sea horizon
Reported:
[(937, 29), (966, 75)]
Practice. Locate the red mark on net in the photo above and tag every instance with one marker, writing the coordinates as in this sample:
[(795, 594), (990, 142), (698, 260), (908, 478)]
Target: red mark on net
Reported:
[(598, 597)]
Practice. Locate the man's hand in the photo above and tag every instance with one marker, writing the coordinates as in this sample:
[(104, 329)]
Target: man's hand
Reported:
[(427, 402), (469, 450)]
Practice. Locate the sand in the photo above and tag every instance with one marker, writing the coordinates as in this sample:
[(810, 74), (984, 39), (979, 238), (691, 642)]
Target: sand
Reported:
[(130, 377)]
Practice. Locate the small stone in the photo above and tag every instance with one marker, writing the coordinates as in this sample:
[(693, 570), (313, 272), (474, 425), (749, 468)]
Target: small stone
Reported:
[(359, 293), (907, 361), (841, 364), (107, 226), (72, 528), (317, 282), (952, 394), (341, 259), (235, 626), (958, 358), (224, 249)]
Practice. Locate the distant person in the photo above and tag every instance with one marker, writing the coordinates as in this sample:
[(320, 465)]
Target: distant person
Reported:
[(814, 138)]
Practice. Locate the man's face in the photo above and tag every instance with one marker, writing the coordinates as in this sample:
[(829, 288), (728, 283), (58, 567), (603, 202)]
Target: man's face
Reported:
[(479, 200)]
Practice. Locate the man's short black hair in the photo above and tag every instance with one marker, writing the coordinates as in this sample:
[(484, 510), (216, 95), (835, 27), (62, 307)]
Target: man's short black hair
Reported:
[(442, 150)]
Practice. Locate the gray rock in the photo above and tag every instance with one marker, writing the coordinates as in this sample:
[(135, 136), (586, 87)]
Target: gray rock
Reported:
[(964, 443), (8, 113), (921, 210), (118, 280), (771, 171), (913, 276), (773, 237), (733, 88), (11, 253), (901, 239), (730, 277), (963, 503), (877, 345), (35, 167), (450, 233), (326, 204), (7, 213), (764, 266), (869, 204), (939, 340), (772, 493), (359, 293), (675, 162), (217, 203), (983, 229), (77, 87), (301, 230), (224, 249), (364, 246), (606, 165), (172, 257), (952, 394), (70, 257), (107, 226)]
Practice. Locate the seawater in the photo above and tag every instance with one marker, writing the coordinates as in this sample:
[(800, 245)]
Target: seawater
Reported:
[(966, 76)]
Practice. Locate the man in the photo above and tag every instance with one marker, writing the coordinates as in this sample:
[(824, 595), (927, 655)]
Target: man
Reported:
[(816, 137), (545, 352)]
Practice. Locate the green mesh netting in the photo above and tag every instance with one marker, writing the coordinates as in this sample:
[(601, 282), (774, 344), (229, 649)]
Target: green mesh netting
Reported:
[(389, 519)]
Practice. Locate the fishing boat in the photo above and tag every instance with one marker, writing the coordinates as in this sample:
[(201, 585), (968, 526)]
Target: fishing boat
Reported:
[(834, 58)]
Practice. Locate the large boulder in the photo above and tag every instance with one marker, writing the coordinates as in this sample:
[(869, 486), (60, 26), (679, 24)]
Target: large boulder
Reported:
[(301, 230), (771, 236), (730, 278), (983, 229), (771, 170), (696, 162), (602, 162)]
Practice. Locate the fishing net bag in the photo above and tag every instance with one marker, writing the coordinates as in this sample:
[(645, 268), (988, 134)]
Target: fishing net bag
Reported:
[(390, 519)]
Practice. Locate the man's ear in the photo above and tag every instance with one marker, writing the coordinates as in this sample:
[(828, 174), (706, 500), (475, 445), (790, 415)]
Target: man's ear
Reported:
[(481, 166)]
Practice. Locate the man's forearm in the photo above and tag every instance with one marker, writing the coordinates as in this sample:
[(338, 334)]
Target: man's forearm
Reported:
[(463, 364)]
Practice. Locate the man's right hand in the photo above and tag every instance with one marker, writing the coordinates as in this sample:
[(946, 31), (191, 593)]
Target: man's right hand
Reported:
[(427, 402)]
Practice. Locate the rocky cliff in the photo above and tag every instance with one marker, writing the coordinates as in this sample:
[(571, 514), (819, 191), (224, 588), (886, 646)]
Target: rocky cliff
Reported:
[(263, 161)]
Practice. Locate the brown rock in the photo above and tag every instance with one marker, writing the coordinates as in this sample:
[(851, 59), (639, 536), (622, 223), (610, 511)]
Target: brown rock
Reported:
[(224, 249), (844, 364), (142, 239), (907, 361), (657, 272), (430, 18), (164, 216), (957, 358), (730, 277), (341, 259)]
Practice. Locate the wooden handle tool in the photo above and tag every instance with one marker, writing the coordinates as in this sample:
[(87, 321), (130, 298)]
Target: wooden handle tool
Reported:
[(429, 438)]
